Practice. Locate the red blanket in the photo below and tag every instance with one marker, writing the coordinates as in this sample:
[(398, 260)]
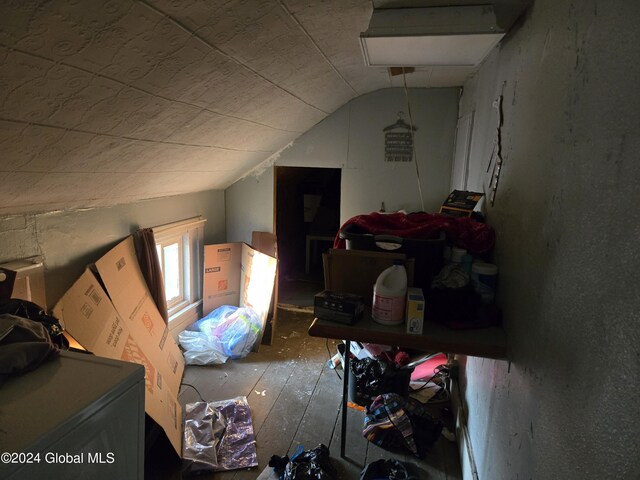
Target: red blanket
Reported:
[(476, 237)]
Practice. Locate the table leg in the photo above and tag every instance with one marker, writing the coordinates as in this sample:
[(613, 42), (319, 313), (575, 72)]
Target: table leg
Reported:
[(345, 396)]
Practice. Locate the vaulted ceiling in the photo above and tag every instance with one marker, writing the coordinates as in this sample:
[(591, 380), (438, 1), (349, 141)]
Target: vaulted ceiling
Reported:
[(113, 101)]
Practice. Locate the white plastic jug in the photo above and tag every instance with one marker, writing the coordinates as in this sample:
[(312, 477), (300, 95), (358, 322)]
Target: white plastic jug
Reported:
[(389, 295)]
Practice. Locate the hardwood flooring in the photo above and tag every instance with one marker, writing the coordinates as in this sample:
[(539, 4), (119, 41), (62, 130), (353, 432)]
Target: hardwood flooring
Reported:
[(295, 400)]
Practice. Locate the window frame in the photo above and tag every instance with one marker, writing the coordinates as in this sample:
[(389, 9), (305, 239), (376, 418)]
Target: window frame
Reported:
[(189, 234), (184, 296)]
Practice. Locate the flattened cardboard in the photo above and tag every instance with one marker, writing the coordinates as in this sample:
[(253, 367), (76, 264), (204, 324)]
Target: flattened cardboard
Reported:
[(239, 275), (86, 312), (125, 324), (123, 279), (120, 273), (267, 243), (356, 271)]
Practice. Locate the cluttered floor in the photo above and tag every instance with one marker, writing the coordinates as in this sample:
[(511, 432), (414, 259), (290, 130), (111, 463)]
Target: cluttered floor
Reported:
[(295, 400)]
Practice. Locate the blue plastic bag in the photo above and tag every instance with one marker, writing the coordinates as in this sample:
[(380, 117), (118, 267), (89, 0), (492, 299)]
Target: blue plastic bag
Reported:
[(235, 329)]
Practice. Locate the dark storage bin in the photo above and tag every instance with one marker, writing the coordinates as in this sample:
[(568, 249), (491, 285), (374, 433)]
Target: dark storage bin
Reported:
[(427, 252)]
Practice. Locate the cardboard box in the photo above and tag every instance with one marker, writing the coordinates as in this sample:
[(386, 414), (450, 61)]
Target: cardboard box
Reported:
[(460, 203), (415, 311), (28, 280), (238, 275), (356, 271), (122, 322)]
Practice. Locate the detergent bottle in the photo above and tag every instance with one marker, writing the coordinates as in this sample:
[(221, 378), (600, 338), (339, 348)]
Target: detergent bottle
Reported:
[(389, 295)]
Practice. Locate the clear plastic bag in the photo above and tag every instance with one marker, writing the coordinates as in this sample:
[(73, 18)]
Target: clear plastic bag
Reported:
[(200, 349), (199, 449), (227, 332), (218, 436)]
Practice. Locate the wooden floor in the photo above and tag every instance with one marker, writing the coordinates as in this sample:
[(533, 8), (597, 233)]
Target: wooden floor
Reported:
[(295, 400)]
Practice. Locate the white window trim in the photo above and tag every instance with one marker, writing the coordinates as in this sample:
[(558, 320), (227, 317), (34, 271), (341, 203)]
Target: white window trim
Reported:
[(187, 311)]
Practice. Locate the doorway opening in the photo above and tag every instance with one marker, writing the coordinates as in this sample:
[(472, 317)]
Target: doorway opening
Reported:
[(307, 218)]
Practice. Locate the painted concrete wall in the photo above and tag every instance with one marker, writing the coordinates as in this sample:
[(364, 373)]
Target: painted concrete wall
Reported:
[(566, 406), (70, 240), (352, 138)]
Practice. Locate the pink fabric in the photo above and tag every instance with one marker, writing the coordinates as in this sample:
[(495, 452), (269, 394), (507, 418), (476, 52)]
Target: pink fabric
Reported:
[(476, 237), (425, 370)]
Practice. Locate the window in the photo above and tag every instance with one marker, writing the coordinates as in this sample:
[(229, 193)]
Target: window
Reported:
[(180, 250), (170, 253)]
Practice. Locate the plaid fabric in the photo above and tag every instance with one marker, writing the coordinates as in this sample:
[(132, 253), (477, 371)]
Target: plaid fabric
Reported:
[(388, 425), (396, 423)]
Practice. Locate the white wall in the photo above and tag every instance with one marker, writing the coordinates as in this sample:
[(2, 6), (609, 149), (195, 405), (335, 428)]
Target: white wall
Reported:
[(70, 240), (249, 206), (352, 138), (367, 180), (566, 405)]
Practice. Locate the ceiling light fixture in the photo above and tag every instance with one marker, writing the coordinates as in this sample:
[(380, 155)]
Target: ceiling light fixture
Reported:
[(430, 36)]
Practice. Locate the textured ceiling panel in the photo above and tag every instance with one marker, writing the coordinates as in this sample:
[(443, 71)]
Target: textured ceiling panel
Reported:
[(265, 38), (215, 130), (335, 26), (111, 101)]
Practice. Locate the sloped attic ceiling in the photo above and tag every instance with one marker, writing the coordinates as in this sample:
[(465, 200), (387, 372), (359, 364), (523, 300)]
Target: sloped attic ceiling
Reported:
[(113, 101)]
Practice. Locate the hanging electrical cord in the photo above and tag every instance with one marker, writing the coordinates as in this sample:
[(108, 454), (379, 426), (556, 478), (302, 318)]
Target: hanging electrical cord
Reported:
[(413, 141), (439, 377), (189, 385)]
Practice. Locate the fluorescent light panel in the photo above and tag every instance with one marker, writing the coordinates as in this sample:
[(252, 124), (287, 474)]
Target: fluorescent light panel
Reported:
[(442, 50), (432, 36)]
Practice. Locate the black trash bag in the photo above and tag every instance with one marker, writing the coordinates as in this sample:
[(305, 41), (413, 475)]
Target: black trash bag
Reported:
[(390, 470), (371, 377), (311, 465), (365, 379), (31, 311), (279, 464)]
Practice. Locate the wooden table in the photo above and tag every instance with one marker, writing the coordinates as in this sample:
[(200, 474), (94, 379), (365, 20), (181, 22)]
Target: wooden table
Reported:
[(487, 342)]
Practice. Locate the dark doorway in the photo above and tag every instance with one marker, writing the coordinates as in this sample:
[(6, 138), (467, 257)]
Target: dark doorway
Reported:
[(307, 216)]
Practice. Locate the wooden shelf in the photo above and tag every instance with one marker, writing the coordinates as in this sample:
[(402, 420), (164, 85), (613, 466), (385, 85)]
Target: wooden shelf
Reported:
[(489, 342)]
